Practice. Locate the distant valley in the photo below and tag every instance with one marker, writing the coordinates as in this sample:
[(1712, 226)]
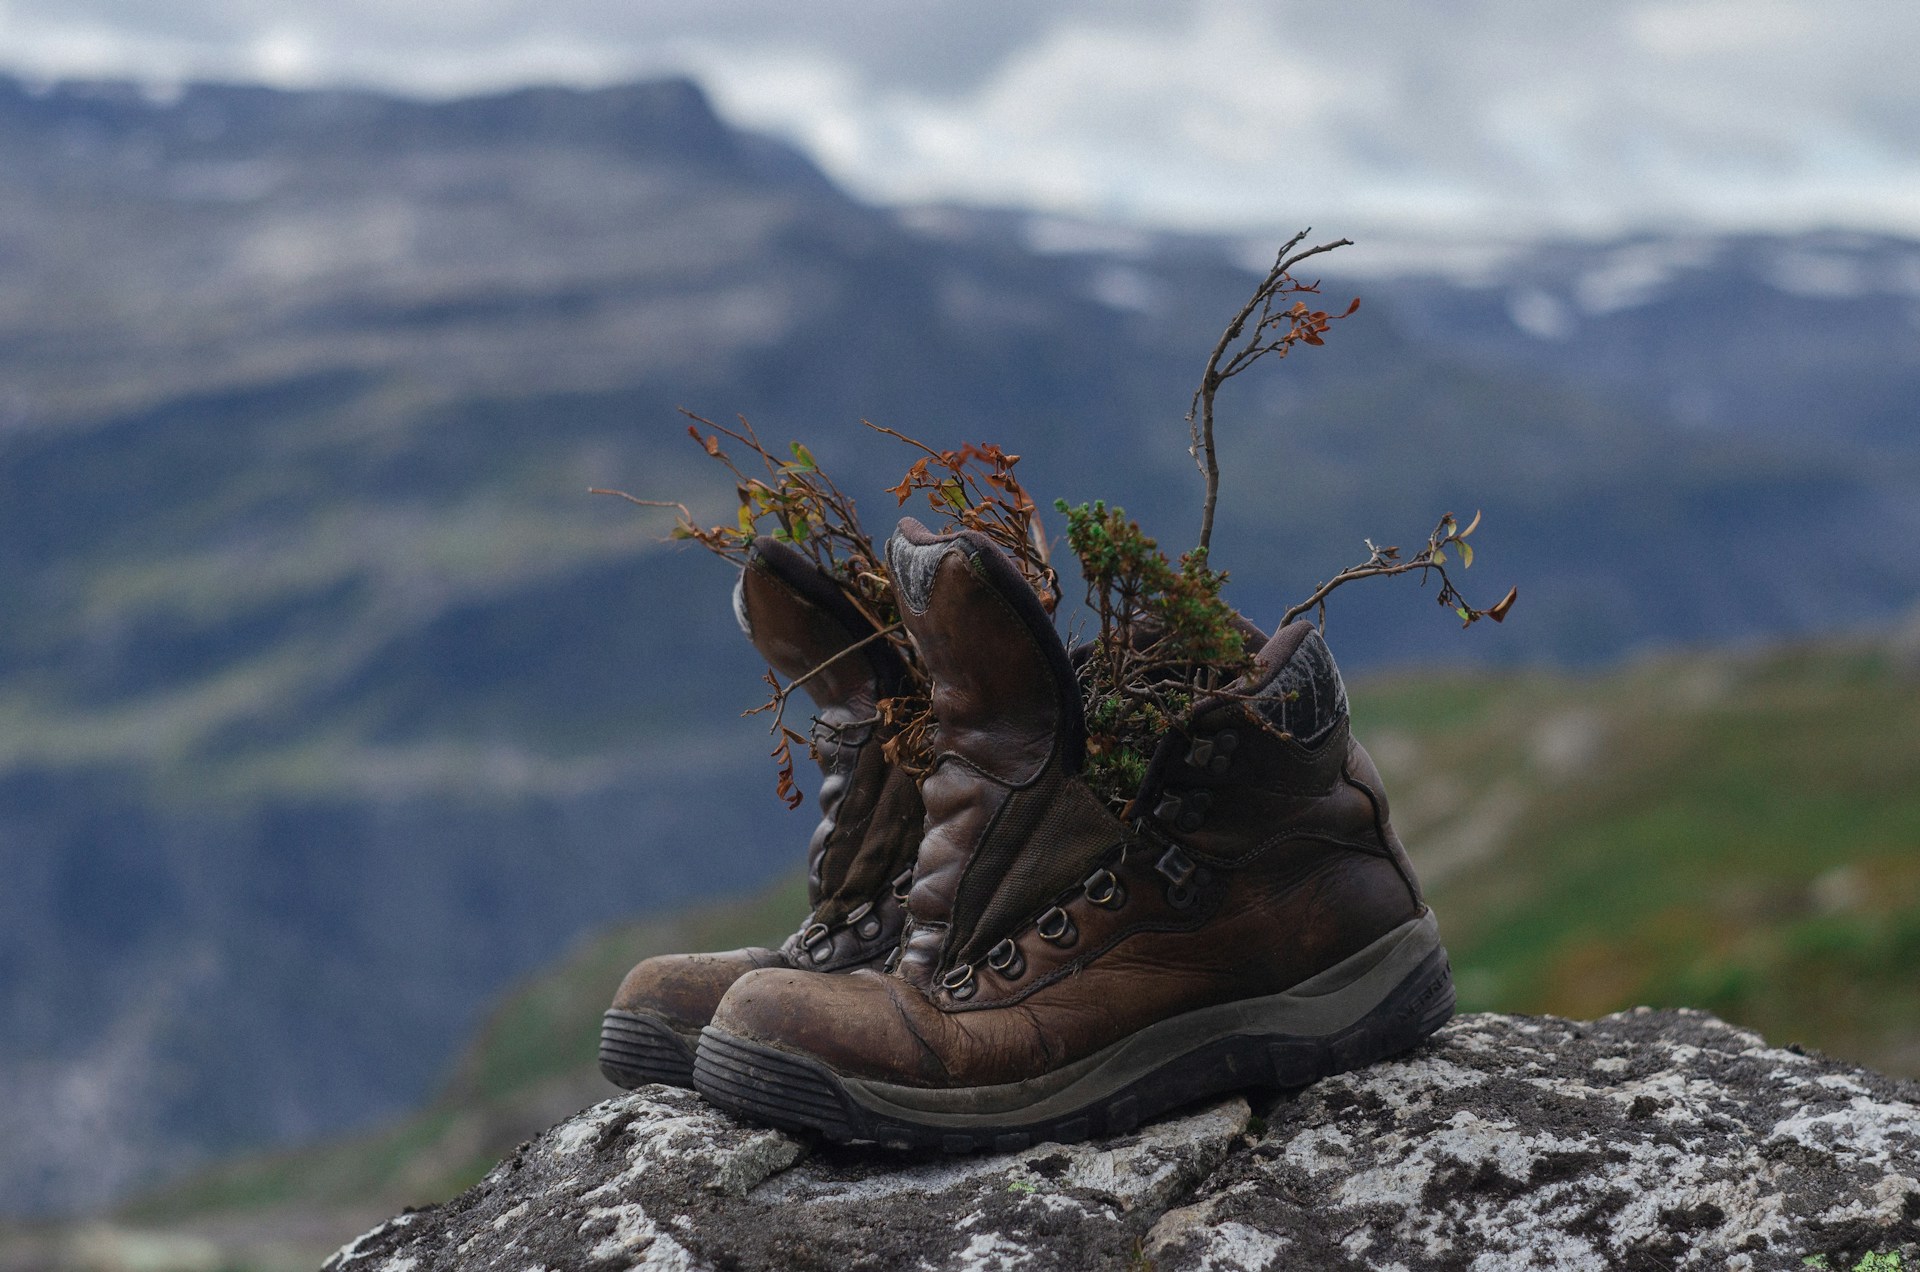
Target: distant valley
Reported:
[(331, 703)]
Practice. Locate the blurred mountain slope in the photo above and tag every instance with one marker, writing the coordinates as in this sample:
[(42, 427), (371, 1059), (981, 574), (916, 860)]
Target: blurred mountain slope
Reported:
[(329, 703)]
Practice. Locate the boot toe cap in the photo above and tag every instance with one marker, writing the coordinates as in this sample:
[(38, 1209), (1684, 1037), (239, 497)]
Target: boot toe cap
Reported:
[(860, 1025), (684, 989)]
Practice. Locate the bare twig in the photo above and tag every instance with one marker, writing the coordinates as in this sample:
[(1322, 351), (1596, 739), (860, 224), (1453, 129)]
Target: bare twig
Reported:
[(644, 503), (1382, 562), (1225, 362), (975, 487), (780, 694)]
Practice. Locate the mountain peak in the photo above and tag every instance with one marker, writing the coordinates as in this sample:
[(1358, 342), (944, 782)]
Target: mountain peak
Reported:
[(670, 118)]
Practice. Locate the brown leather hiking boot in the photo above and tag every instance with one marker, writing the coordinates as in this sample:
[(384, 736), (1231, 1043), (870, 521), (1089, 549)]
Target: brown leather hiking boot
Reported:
[(1064, 974), (861, 854)]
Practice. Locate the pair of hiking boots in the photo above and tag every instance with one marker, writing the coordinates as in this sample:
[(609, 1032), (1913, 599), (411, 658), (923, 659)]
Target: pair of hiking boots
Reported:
[(994, 958)]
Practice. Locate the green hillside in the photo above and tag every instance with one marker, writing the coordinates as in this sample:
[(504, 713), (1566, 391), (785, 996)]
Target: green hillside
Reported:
[(1734, 832)]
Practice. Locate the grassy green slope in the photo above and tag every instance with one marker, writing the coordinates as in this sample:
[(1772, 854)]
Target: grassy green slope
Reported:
[(1735, 833), (1740, 833)]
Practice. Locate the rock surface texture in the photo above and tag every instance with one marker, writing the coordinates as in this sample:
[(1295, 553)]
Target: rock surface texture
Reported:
[(1643, 1140)]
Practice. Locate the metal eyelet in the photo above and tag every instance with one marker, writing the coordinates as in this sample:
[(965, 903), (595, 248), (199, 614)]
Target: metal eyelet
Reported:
[(1105, 890), (960, 982), (1056, 928), (1193, 810), (1214, 754), (1186, 812), (903, 884), (1006, 959), (1178, 870), (863, 920), (816, 942)]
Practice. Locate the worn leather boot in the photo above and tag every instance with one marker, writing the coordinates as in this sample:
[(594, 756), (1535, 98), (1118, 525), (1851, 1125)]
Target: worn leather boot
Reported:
[(1064, 974), (861, 854)]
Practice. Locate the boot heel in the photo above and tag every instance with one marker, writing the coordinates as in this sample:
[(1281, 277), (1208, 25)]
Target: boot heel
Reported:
[(1419, 1005), (636, 1050)]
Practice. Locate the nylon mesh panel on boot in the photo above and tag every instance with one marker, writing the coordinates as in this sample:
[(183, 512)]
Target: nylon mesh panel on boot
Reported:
[(1046, 839), (1305, 696)]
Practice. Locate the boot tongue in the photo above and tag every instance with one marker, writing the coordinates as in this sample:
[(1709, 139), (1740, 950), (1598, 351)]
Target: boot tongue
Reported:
[(1003, 691), (1009, 823), (798, 618)]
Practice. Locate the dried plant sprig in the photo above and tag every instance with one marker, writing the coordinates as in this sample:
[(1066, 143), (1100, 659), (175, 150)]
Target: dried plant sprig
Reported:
[(1277, 328), (1432, 559), (809, 511), (974, 487)]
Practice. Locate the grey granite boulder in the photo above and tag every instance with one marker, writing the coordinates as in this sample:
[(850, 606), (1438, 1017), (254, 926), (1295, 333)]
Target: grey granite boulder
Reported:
[(1644, 1140)]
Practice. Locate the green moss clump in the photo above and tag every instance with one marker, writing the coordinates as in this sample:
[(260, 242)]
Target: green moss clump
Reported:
[(1165, 637)]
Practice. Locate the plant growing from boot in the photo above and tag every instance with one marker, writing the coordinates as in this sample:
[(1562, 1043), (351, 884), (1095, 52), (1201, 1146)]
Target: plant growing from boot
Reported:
[(1165, 637), (1277, 328), (810, 512), (973, 487)]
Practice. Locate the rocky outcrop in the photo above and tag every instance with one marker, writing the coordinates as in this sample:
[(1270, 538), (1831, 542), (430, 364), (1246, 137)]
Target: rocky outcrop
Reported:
[(1647, 1139)]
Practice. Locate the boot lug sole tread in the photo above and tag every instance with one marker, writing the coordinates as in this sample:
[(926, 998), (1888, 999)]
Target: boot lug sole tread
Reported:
[(796, 1093), (637, 1050)]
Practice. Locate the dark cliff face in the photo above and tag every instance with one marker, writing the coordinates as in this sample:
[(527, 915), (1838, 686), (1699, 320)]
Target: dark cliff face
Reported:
[(330, 703), (1657, 1138)]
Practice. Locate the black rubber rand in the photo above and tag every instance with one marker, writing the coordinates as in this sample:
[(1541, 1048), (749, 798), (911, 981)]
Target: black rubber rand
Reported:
[(636, 1050), (800, 1094)]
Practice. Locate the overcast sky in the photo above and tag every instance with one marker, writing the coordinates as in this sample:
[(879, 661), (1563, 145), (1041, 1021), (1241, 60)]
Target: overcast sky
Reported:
[(1582, 116)]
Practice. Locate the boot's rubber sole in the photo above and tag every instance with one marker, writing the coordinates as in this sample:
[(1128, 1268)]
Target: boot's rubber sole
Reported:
[(1376, 1004), (636, 1049)]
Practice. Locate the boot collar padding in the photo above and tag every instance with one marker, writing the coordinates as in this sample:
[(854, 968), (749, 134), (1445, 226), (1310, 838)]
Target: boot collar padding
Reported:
[(914, 558), (815, 589)]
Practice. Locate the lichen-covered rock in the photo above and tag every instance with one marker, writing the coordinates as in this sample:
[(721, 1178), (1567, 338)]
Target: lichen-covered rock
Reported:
[(1650, 1139), (660, 1180)]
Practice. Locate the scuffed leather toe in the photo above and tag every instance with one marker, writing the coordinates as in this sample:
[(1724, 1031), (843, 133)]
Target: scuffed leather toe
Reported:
[(684, 989), (864, 1025)]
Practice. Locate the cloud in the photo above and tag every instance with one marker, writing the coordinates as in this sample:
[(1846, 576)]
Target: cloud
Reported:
[(1501, 116)]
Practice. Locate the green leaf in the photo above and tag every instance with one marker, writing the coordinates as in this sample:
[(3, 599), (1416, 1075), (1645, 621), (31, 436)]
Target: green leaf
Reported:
[(1439, 557), (800, 529), (746, 519), (954, 493), (1466, 555), (1466, 615), (804, 458)]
